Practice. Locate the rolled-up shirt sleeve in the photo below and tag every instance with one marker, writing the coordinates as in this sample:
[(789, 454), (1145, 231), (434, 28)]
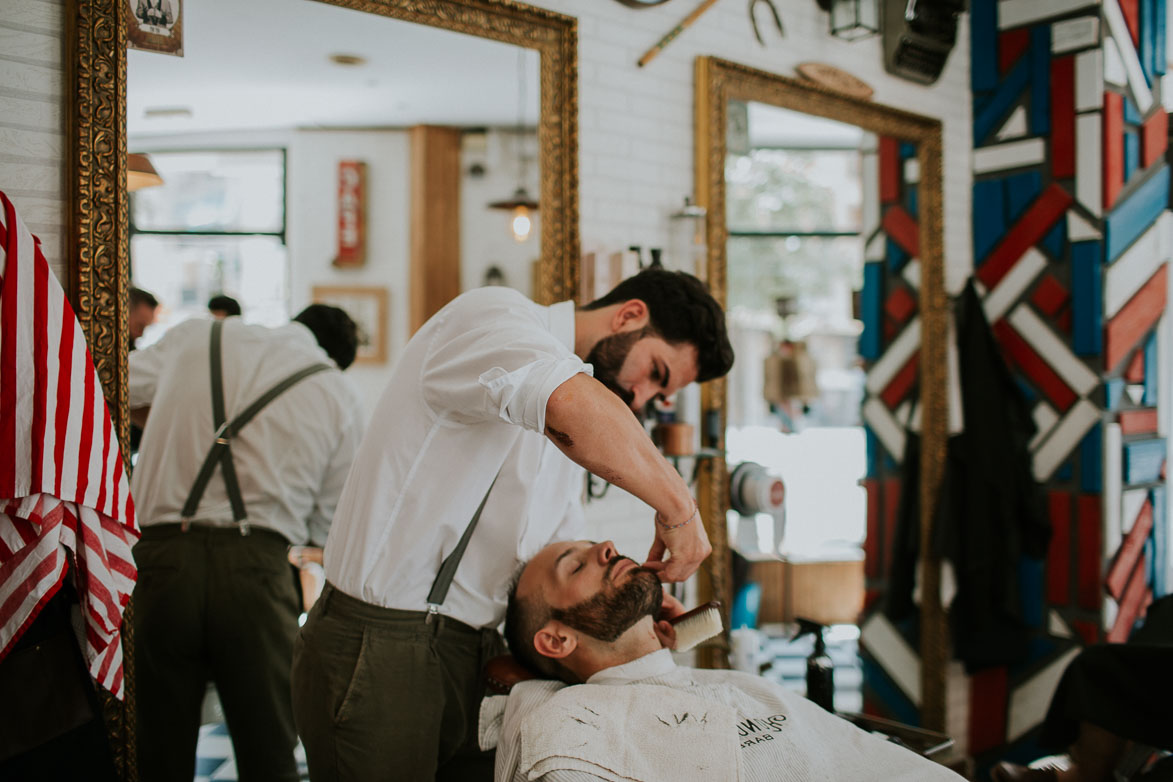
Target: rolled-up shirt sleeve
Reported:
[(499, 371)]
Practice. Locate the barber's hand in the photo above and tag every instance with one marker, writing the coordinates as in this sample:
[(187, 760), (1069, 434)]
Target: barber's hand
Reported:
[(670, 608), (689, 545), (666, 632)]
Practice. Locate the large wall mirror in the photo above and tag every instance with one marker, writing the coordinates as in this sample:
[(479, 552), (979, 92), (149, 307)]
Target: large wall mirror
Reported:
[(247, 130), (824, 226)]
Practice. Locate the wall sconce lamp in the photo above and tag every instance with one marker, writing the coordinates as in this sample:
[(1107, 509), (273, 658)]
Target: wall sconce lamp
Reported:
[(140, 173), (852, 20)]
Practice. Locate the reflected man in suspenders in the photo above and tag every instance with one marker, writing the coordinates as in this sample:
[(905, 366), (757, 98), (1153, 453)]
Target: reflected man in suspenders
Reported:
[(250, 434)]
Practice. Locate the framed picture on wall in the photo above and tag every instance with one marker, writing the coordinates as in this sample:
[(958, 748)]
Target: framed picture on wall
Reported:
[(155, 25), (367, 306)]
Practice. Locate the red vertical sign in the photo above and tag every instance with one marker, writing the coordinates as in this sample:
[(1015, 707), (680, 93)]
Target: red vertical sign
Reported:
[(352, 219)]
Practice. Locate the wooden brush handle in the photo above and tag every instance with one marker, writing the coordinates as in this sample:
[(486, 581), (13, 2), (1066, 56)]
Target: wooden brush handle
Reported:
[(698, 610)]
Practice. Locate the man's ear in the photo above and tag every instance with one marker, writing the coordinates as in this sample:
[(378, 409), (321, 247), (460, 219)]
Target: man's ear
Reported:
[(631, 315), (555, 640)]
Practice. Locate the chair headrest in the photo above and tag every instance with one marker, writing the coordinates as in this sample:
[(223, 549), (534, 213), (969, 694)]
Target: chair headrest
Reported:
[(504, 671)]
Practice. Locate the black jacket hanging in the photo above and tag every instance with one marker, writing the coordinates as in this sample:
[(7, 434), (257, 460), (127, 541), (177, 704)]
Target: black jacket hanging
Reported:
[(990, 510)]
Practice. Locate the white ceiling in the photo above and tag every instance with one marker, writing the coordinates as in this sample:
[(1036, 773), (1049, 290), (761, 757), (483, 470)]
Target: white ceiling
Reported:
[(263, 65)]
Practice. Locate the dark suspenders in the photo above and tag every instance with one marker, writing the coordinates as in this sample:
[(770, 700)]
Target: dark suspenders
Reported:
[(221, 453), (448, 567), (221, 450)]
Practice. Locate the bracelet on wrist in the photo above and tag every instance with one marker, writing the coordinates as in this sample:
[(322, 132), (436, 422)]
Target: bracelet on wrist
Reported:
[(665, 526)]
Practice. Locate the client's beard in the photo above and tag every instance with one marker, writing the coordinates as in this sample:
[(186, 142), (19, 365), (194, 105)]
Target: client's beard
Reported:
[(607, 357), (613, 611)]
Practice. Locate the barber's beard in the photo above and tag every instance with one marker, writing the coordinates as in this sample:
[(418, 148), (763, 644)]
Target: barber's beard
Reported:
[(607, 357), (612, 612)]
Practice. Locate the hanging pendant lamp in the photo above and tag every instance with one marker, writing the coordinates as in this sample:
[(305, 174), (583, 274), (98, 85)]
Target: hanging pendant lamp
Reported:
[(520, 204)]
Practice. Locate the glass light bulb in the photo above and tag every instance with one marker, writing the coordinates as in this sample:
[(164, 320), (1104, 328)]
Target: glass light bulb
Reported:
[(520, 224)]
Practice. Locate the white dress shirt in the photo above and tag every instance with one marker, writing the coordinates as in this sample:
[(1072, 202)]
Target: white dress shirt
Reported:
[(780, 735), (466, 399), (291, 460)]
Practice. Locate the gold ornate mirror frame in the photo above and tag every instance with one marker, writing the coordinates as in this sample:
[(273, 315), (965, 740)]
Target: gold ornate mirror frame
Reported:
[(97, 195), (717, 83)]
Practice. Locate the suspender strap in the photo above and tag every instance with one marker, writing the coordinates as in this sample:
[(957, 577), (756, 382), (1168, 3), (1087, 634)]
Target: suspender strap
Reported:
[(227, 466), (221, 452), (448, 567)]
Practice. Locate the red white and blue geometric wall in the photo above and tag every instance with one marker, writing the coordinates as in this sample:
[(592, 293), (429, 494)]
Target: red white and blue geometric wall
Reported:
[(1072, 235)]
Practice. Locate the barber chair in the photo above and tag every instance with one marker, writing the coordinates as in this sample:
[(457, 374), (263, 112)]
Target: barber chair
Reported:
[(504, 671), (1141, 763)]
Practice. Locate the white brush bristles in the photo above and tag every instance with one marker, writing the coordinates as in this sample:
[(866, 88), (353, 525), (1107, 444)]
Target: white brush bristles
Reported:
[(697, 625)]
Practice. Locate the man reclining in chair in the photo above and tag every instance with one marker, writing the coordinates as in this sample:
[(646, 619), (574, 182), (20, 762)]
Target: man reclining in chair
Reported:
[(582, 613)]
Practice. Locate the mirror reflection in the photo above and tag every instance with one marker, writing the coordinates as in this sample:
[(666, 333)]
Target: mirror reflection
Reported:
[(247, 131), (797, 196), (299, 153), (803, 213)]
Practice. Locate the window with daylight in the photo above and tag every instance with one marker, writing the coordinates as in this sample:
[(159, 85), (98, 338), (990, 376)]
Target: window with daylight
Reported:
[(797, 199), (215, 225)]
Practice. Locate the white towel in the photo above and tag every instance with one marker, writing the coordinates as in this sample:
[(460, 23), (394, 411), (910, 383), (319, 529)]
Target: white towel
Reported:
[(589, 727), (64, 492), (492, 718)]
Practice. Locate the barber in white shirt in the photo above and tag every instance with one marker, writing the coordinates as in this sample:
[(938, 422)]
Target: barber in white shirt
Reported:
[(494, 392), (215, 597)]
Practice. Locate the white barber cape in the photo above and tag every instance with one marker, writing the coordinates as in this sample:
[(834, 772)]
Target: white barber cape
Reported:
[(650, 720)]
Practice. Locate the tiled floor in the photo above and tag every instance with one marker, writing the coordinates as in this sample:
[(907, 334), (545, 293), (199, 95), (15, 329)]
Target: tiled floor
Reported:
[(214, 758)]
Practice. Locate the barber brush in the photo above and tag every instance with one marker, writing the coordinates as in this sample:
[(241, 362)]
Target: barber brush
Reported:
[(699, 624)]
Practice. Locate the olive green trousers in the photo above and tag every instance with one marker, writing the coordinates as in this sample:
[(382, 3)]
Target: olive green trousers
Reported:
[(381, 694), (213, 605)]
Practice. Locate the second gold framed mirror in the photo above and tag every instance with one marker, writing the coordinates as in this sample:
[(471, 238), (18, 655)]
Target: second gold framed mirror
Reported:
[(900, 306)]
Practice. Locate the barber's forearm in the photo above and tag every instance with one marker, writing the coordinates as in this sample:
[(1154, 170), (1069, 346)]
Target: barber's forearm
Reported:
[(592, 426)]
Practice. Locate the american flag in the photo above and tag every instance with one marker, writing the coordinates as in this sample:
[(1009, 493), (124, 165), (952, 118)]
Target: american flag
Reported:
[(64, 495)]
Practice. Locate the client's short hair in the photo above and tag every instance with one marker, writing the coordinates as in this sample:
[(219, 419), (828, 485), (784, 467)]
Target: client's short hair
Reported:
[(524, 616)]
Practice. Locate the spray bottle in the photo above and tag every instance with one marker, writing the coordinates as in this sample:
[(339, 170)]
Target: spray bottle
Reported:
[(820, 672)]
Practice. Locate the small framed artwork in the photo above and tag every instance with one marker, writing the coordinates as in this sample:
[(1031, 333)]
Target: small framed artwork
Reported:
[(155, 26), (367, 307)]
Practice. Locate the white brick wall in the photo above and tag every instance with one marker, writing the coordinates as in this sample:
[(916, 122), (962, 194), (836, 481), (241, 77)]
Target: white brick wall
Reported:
[(636, 137), (636, 125), (636, 128), (32, 127)]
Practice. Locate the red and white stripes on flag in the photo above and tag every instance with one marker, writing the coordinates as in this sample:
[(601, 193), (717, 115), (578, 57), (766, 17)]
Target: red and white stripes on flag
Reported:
[(64, 496)]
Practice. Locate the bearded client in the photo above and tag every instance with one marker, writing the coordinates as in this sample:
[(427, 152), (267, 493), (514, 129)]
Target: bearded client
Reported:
[(582, 614)]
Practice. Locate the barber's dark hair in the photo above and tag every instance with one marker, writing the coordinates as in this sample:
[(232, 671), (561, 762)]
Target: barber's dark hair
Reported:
[(222, 303), (139, 296), (334, 330), (523, 618), (681, 310)]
